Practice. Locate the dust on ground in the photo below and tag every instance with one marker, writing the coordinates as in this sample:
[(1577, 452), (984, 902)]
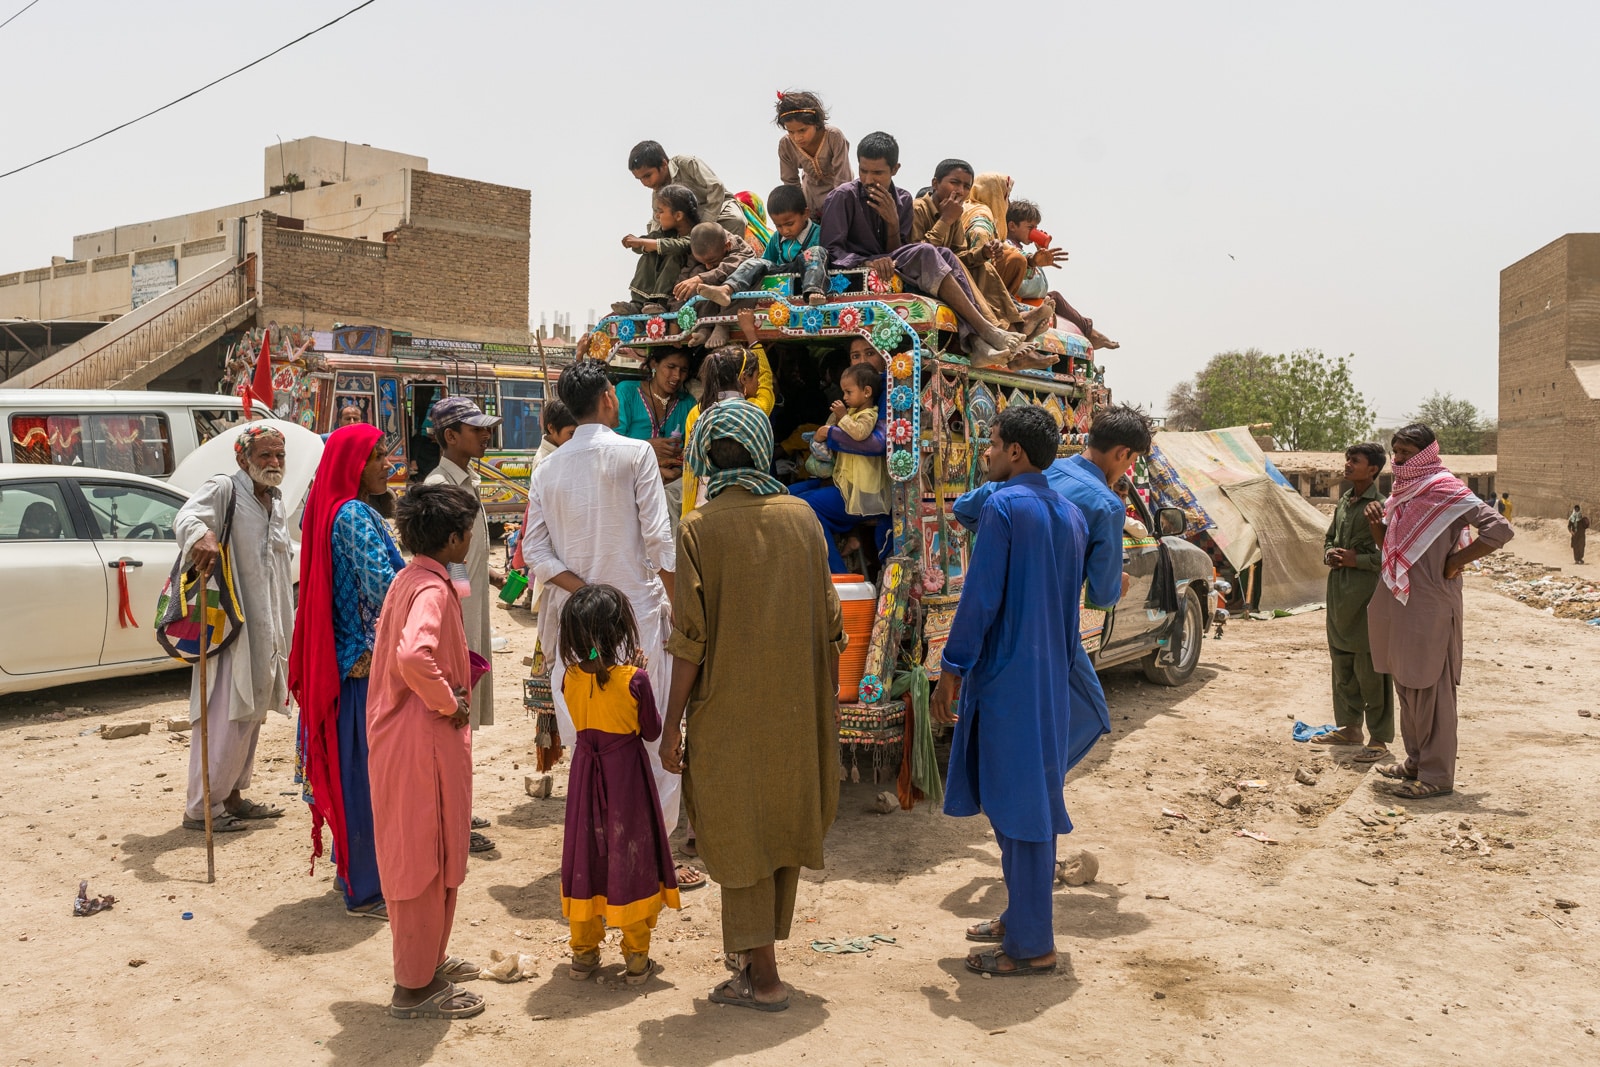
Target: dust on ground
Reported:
[(1434, 932)]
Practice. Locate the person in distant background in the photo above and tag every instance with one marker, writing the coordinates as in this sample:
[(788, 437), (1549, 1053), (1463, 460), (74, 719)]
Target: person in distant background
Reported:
[(1504, 507), (350, 415), (1578, 527)]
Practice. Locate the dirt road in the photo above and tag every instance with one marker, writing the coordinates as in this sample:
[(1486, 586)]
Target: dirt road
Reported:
[(1432, 934)]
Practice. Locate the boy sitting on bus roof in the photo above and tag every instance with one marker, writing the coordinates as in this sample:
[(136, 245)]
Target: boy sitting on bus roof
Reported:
[(795, 248), (714, 254), (868, 223)]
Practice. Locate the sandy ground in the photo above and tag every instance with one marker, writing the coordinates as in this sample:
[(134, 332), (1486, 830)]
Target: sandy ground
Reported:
[(1364, 933)]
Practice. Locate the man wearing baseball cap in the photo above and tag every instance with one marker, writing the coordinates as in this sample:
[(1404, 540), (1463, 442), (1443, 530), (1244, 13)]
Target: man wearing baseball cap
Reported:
[(463, 433)]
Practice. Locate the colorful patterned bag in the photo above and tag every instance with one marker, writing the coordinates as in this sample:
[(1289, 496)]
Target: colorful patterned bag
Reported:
[(178, 613)]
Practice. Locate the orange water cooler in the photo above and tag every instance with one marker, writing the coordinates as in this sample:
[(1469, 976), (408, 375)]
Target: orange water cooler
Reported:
[(858, 601)]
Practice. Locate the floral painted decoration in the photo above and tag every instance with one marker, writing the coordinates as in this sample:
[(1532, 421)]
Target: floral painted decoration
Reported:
[(838, 283), (600, 344), (902, 464), (900, 366), (888, 332), (625, 330), (687, 317), (656, 328), (876, 284), (900, 430), (901, 397), (871, 689), (778, 314), (849, 319), (811, 320)]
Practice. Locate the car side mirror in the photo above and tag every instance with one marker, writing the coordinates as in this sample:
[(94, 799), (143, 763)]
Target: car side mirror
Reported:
[(1171, 521)]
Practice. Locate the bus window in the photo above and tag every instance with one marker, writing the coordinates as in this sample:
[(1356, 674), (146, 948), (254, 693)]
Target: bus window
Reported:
[(521, 413), (212, 421)]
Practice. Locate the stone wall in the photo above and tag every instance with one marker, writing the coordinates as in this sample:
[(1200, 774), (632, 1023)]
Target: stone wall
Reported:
[(1549, 444)]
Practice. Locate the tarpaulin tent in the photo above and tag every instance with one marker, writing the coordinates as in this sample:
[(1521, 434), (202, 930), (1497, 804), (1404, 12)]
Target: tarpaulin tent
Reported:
[(1224, 483)]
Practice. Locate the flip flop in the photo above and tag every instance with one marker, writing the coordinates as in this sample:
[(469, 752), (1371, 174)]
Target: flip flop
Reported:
[(1419, 790), (380, 910), (989, 963), (1338, 737), (479, 824), (737, 992), (689, 877), (456, 969), (480, 843), (1370, 754), (221, 824), (437, 1006), (985, 933), (254, 809)]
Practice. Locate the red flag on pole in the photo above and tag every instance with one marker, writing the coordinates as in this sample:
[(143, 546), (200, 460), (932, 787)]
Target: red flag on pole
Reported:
[(260, 386)]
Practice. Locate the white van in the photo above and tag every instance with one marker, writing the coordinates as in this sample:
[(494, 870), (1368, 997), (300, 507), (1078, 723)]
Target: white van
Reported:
[(133, 432)]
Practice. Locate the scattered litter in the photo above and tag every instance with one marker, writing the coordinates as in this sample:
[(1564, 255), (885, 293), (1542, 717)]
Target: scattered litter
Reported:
[(1171, 814), (1229, 798), (1562, 595), (508, 966), (500, 644), (1252, 835), (1306, 732), (188, 915), (113, 731), (1304, 777), (87, 905), (1078, 869), (850, 946)]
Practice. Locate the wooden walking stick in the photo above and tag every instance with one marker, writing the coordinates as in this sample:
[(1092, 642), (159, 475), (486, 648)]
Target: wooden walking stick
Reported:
[(205, 734)]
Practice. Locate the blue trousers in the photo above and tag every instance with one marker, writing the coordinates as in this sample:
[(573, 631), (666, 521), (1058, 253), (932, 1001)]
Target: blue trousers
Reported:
[(1029, 868), (826, 500), (361, 888)]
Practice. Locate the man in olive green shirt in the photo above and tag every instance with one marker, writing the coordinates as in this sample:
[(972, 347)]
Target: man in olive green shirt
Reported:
[(1360, 693)]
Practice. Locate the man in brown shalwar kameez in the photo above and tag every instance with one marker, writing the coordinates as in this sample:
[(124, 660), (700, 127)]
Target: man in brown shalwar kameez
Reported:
[(1415, 616), (757, 673)]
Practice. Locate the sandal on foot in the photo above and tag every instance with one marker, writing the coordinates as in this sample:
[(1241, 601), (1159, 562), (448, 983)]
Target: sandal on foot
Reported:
[(254, 809), (1339, 737), (380, 910), (738, 992), (583, 965), (989, 933), (1419, 790), (451, 1002), (1398, 772), (480, 843), (1371, 754), (639, 970), (221, 824), (479, 823), (689, 877), (690, 847), (456, 969), (989, 963)]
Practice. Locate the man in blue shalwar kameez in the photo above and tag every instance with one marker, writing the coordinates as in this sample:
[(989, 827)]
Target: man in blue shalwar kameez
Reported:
[(1118, 436), (1010, 658)]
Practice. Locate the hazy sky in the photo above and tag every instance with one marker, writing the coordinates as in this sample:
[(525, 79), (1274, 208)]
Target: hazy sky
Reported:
[(1370, 167)]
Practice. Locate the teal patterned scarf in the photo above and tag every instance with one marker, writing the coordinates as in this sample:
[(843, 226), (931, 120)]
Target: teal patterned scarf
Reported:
[(745, 423)]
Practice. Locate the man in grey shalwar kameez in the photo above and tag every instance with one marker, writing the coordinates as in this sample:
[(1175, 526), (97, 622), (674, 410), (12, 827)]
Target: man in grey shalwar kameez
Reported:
[(251, 676)]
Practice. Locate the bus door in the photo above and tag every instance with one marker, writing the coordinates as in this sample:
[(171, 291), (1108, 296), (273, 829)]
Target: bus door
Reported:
[(422, 451)]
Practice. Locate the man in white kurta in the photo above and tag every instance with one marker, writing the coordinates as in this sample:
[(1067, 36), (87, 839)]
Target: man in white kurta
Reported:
[(597, 513), (251, 676)]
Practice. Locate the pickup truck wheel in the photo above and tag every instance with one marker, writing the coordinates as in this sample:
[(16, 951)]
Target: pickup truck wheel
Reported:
[(1174, 664)]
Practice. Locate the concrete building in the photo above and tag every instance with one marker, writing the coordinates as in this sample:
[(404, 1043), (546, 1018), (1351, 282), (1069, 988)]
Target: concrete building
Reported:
[(1550, 378), (345, 234), (1319, 476)]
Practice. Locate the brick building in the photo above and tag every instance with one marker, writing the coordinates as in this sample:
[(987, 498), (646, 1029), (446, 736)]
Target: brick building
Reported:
[(1549, 449), (346, 234)]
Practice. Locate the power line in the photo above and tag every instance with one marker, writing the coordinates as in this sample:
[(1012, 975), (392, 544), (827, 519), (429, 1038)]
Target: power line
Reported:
[(18, 15), (185, 96)]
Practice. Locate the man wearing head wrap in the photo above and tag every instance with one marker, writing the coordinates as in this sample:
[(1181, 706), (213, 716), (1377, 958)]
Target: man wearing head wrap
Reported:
[(250, 677), (757, 675), (1414, 617)]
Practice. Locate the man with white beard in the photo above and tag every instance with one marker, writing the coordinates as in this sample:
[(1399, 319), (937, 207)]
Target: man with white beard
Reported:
[(250, 676)]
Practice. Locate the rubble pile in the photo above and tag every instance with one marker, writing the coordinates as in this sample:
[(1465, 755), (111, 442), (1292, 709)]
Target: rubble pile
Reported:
[(1564, 595)]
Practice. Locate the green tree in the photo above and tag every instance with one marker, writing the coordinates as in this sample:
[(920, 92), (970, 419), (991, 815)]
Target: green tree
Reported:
[(1309, 399), (1458, 424)]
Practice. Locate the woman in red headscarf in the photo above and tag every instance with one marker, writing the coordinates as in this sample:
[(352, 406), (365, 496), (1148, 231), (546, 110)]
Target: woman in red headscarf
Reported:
[(347, 560)]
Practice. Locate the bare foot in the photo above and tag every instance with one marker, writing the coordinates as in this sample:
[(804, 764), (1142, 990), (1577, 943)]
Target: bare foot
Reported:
[(1038, 320), (721, 295), (1100, 340), (816, 299)]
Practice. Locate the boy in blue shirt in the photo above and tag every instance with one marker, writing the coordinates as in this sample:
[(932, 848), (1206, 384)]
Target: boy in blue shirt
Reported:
[(795, 247)]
